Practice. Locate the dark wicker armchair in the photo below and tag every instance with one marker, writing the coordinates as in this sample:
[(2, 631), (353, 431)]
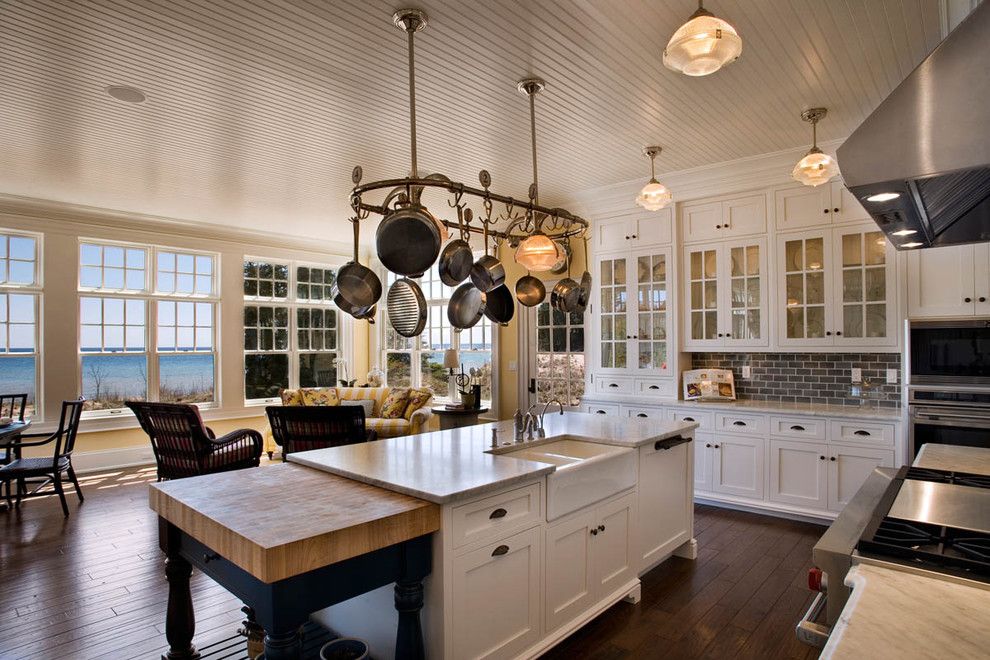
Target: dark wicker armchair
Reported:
[(13, 406), (185, 447), (301, 428)]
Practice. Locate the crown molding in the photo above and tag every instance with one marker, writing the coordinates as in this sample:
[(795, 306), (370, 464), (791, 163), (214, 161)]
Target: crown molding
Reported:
[(49, 211)]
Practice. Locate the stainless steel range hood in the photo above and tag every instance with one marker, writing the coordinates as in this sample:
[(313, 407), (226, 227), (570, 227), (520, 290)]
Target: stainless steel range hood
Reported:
[(929, 143)]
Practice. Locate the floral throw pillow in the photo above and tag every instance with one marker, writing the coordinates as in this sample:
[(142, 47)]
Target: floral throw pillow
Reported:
[(291, 397), (417, 399), (395, 403), (320, 396)]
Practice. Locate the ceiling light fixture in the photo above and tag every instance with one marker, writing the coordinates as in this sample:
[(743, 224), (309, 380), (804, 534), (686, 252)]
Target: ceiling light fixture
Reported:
[(126, 93), (654, 195), (703, 45), (883, 197), (904, 232), (911, 245), (816, 167)]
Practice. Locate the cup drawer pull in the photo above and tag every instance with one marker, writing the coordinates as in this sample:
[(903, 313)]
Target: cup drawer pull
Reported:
[(613, 384), (861, 432), (797, 427), (500, 550), (739, 422), (642, 415), (688, 419), (601, 412), (654, 387), (498, 513)]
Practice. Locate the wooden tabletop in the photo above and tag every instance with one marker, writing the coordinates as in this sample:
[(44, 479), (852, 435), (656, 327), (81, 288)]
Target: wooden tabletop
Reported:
[(282, 520)]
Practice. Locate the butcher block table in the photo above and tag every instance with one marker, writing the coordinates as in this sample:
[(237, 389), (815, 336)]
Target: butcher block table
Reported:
[(290, 540)]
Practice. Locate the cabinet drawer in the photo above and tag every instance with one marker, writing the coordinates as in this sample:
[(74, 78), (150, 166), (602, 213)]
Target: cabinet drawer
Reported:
[(745, 424), (496, 515), (601, 409), (705, 419), (798, 427), (868, 433), (613, 385), (642, 413), (660, 387)]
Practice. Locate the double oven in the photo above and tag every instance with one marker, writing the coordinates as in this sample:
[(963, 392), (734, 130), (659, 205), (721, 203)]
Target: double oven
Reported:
[(949, 383)]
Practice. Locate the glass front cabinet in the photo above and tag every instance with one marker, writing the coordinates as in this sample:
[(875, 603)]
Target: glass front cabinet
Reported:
[(725, 294), (634, 313), (835, 288)]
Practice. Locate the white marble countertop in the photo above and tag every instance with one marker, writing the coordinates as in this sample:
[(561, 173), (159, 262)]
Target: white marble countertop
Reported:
[(785, 408), (972, 460), (899, 614), (449, 465)]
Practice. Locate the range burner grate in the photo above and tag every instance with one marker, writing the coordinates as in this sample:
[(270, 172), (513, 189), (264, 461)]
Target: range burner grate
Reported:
[(946, 477), (925, 545)]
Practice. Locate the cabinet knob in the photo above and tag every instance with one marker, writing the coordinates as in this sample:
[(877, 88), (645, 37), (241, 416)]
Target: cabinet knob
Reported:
[(717, 446), (718, 226), (207, 558), (708, 444), (601, 528), (828, 333), (967, 300), (628, 336), (500, 550), (720, 334), (594, 531), (835, 210), (728, 335), (982, 299), (627, 238), (821, 458), (634, 235), (838, 333), (826, 210), (832, 458), (635, 336)]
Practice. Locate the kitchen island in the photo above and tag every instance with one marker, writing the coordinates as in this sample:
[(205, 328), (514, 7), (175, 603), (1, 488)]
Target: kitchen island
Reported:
[(519, 550)]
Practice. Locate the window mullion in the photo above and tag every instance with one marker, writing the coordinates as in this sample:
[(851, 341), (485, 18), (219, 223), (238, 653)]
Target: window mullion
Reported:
[(151, 348)]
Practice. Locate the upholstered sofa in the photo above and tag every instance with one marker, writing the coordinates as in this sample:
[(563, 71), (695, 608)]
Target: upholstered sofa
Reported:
[(414, 419)]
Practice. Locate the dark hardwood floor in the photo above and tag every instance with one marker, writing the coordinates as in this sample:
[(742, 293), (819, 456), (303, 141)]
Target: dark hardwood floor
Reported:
[(92, 586)]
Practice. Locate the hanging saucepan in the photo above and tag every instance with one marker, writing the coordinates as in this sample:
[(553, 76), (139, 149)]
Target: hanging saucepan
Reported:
[(417, 196), (560, 267), (356, 287), (408, 241), (530, 291), (456, 259), (499, 305), (360, 313), (585, 292), (565, 294), (406, 308), (487, 273), (466, 306)]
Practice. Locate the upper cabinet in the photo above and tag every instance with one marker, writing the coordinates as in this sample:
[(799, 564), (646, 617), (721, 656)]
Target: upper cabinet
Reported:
[(725, 218), (803, 206), (835, 287), (633, 231), (949, 281), (725, 294)]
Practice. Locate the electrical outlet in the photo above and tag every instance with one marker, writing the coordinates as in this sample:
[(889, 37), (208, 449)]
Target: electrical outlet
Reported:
[(892, 376), (747, 371), (857, 375)]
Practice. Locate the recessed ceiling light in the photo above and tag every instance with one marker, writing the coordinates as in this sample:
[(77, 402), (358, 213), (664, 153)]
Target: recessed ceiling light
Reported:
[(911, 245), (883, 197), (904, 232), (126, 93)]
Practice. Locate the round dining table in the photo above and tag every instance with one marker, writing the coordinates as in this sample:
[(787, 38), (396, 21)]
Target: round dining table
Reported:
[(9, 436)]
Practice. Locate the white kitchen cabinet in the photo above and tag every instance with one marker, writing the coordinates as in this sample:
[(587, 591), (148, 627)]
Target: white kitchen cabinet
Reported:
[(642, 412), (836, 287), (725, 293), (805, 206), (724, 218), (635, 230), (589, 555), (496, 597), (798, 473), (949, 281), (737, 465), (704, 458), (665, 518), (848, 468)]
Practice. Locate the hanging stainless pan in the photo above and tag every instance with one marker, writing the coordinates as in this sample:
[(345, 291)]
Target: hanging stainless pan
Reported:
[(585, 292), (487, 273), (407, 240), (530, 291), (565, 294), (356, 287), (406, 307), (466, 306), (499, 305), (456, 259), (360, 313)]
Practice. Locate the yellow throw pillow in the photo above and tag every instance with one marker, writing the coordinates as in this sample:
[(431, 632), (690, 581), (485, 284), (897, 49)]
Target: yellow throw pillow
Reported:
[(320, 396), (417, 399), (395, 403), (291, 397)]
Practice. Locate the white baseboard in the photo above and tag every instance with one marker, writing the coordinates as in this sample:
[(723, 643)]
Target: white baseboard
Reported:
[(767, 509), (111, 459)]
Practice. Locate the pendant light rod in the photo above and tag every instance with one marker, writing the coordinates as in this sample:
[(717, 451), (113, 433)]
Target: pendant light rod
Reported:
[(653, 152), (411, 21), (813, 116), (531, 87)]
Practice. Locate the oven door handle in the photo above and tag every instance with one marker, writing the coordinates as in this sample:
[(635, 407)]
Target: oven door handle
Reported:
[(942, 419), (809, 632)]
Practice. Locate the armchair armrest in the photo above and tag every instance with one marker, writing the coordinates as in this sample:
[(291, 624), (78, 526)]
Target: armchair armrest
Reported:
[(370, 435), (420, 419), (210, 433), (240, 435), (48, 437)]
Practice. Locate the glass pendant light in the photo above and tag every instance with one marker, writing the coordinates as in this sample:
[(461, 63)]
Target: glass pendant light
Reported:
[(538, 252), (703, 45), (654, 195), (816, 167)]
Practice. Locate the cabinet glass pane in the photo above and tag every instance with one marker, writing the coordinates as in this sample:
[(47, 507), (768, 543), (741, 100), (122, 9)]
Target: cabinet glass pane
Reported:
[(613, 314), (876, 320), (805, 288), (744, 288), (651, 312), (704, 294), (864, 284)]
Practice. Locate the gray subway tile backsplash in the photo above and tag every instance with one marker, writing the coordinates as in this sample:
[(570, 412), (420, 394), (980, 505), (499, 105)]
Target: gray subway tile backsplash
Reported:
[(807, 377)]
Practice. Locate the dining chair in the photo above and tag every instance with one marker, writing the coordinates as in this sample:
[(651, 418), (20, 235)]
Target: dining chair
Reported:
[(301, 428), (11, 405), (63, 441)]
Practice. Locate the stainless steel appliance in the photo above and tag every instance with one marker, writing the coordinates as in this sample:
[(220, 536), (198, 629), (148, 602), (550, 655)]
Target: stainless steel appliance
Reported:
[(948, 416), (921, 162), (914, 519)]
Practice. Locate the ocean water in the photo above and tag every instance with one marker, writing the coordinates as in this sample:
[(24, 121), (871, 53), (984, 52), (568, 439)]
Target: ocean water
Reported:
[(118, 377), (17, 376)]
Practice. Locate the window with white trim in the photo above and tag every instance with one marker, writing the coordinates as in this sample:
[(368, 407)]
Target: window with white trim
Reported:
[(143, 335), (20, 301), (560, 363), (291, 328)]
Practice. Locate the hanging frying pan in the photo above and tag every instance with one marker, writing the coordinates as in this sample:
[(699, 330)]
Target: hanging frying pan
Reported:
[(407, 240), (406, 308), (456, 259), (360, 313), (585, 291), (530, 291), (487, 273), (499, 305), (466, 306), (356, 287), (566, 293)]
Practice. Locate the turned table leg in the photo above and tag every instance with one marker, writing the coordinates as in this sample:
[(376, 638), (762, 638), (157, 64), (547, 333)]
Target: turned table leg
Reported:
[(409, 637), (283, 645), (180, 622)]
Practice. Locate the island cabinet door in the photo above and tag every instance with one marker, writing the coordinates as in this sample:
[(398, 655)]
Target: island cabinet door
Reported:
[(614, 553), (704, 444), (570, 583), (664, 500), (496, 598), (737, 468)]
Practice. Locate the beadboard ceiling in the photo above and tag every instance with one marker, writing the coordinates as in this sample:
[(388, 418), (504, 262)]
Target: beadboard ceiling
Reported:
[(257, 110)]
